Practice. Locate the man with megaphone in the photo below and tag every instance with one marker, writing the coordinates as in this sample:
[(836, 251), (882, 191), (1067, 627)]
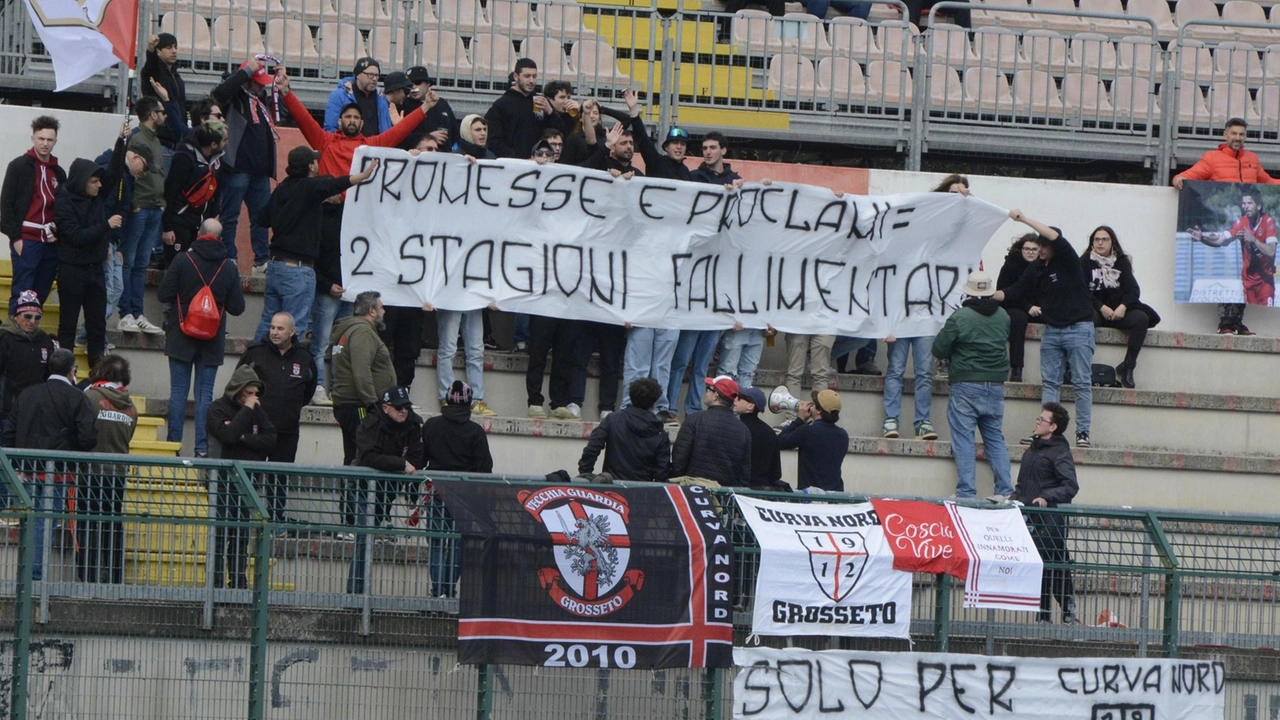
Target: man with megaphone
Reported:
[(821, 442)]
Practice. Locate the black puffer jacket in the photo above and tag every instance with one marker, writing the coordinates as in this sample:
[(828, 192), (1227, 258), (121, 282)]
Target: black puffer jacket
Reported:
[(24, 361), (453, 443), (181, 283), (385, 445), (715, 445), (635, 444), (83, 233), (1048, 472), (53, 415)]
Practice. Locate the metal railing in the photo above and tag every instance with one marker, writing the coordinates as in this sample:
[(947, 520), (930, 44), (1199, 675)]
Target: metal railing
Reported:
[(247, 570)]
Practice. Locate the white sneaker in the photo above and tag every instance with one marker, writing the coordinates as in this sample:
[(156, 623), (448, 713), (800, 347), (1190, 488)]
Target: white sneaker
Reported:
[(147, 326), (604, 414), (260, 270), (537, 413), (320, 397), (128, 324), (574, 410)]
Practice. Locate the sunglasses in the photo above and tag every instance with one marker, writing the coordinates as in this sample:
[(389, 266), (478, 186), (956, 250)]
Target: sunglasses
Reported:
[(544, 153), (30, 316)]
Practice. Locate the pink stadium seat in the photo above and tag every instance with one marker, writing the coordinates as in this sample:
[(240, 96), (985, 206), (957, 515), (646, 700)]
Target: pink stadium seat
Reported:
[(1191, 107), (996, 47), (1229, 99), (564, 22), (1085, 94), (1045, 50), (1268, 103), (988, 89), (1157, 10), (897, 40), (841, 79), (852, 37), (493, 55), (983, 14), (946, 91), (1136, 57), (1062, 23), (237, 36), (1248, 11), (1195, 61), (341, 44), (793, 76), (1197, 10), (1238, 61), (951, 47), (191, 30), (420, 11), (1035, 93), (1094, 53), (462, 16), (1108, 25), (597, 64), (887, 82), (513, 18), (448, 56), (1130, 96), (1271, 61), (549, 54), (754, 31), (364, 13), (380, 43), (290, 40), (804, 34), (313, 11), (261, 10)]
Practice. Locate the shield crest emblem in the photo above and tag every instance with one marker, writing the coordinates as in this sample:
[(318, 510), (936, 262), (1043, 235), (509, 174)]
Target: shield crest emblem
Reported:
[(836, 559), (592, 548)]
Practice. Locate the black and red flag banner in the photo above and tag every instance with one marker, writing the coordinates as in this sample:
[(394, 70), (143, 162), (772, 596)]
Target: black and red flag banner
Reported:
[(592, 576)]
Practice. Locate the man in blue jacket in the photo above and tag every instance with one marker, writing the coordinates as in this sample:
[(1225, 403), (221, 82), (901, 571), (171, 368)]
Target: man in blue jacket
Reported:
[(821, 442), (362, 89)]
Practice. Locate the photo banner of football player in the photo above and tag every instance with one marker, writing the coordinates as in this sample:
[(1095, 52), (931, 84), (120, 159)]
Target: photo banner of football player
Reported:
[(797, 684), (571, 242), (596, 576), (1226, 243), (989, 549), (825, 570)]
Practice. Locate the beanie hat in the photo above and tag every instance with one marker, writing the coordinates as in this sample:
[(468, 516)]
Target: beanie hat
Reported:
[(459, 393), (28, 302)]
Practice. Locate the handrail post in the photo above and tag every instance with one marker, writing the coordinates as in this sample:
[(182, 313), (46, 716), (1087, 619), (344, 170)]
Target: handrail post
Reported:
[(484, 692), (258, 668), (20, 501), (942, 612)]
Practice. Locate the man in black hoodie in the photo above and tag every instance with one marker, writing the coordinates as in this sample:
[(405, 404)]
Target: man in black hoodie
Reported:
[(635, 443), (1066, 306), (241, 430), (1047, 478), (191, 186), (162, 68), (766, 460), (84, 232), (517, 118), (451, 441)]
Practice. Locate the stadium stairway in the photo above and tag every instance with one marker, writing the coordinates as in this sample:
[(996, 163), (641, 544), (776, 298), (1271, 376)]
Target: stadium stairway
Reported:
[(1196, 434)]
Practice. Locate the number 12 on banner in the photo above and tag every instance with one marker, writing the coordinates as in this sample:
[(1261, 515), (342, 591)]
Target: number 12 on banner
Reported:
[(596, 656)]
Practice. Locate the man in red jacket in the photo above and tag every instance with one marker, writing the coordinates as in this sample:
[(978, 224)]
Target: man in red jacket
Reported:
[(1231, 163)]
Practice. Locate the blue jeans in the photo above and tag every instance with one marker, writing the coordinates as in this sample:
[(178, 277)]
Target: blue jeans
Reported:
[(740, 355), (521, 331), (848, 7), (981, 405), (324, 313), (180, 374), (140, 237), (698, 346), (291, 289), (473, 344), (921, 349), (1074, 345), (850, 345), (648, 354), (47, 496), (113, 274), (253, 190), (35, 269)]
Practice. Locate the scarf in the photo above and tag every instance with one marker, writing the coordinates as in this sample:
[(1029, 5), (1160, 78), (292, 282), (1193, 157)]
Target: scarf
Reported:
[(256, 104), (1106, 273)]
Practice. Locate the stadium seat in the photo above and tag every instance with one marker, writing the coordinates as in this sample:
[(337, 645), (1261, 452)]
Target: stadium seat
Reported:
[(597, 64), (1191, 106), (1271, 62), (841, 79), (261, 10), (420, 12), (237, 36), (513, 18), (1129, 97), (1157, 10), (380, 43), (1069, 24), (549, 54), (493, 55), (950, 46), (290, 40), (887, 82), (946, 90), (341, 44), (1035, 93), (852, 37), (983, 14), (463, 16), (1247, 11), (1136, 57), (312, 11), (804, 34), (996, 47), (365, 13), (754, 32), (1238, 61), (1094, 53), (1268, 103), (988, 89), (448, 56), (191, 30), (1046, 50), (1197, 10), (793, 76), (1085, 94), (564, 22), (1108, 25), (1194, 61), (897, 40), (1230, 99)]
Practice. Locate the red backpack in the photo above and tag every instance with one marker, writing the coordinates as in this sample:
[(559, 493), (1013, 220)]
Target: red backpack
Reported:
[(204, 317)]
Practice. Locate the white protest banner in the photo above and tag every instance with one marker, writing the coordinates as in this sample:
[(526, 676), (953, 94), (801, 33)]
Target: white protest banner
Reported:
[(825, 570), (563, 241), (796, 684), (1005, 569)]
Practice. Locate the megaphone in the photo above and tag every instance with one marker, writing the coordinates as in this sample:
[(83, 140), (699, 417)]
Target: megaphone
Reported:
[(781, 400)]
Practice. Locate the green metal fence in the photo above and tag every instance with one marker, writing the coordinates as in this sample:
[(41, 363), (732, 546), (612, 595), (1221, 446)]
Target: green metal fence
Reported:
[(167, 587)]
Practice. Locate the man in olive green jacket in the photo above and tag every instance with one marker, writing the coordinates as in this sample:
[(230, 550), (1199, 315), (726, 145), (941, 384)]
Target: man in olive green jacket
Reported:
[(362, 368), (973, 339)]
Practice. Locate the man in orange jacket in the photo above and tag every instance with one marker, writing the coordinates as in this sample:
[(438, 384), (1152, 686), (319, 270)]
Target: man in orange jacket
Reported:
[(1230, 163)]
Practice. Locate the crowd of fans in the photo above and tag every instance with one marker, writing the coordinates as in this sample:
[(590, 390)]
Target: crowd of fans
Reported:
[(178, 180)]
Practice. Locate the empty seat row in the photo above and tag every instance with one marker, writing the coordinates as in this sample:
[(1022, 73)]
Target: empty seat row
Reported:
[(1157, 10), (757, 31)]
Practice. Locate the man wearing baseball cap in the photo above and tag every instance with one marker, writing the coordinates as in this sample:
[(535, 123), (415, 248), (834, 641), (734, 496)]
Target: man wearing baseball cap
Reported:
[(713, 444), (440, 122), (361, 88), (974, 340), (822, 443), (766, 461)]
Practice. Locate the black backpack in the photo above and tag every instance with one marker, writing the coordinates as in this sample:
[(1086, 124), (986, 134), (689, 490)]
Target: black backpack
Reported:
[(1105, 376)]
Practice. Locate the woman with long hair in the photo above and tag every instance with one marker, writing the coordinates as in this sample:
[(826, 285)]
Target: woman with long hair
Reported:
[(953, 183), (1024, 251), (1116, 294)]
